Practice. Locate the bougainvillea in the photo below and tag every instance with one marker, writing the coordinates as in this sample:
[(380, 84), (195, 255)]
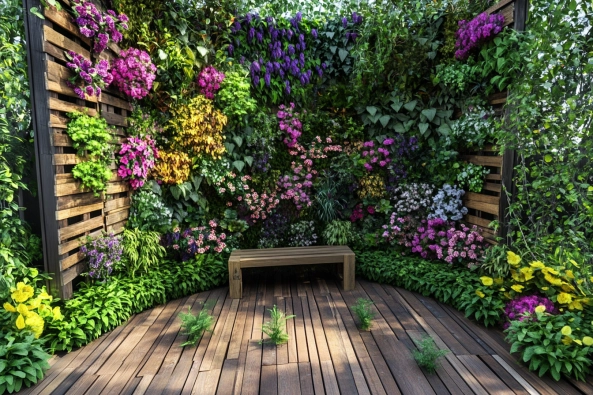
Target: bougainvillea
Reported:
[(102, 254), (524, 307), (209, 81), (100, 26), (89, 78), (172, 167), (290, 124), (133, 73), (138, 157), (475, 32), (197, 126)]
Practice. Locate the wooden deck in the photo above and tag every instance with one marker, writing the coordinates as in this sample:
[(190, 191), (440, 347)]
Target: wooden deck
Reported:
[(326, 352)]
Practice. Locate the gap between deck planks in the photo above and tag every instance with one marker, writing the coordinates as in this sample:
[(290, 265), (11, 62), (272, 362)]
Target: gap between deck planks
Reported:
[(326, 353)]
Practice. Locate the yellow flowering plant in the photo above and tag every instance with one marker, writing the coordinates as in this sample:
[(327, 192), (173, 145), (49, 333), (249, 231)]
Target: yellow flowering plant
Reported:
[(561, 283), (172, 167)]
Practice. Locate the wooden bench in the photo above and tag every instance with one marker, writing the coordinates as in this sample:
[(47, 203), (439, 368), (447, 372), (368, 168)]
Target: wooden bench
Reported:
[(289, 256)]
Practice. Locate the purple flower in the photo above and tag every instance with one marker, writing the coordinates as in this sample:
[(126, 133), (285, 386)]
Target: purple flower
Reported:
[(314, 33), (345, 22)]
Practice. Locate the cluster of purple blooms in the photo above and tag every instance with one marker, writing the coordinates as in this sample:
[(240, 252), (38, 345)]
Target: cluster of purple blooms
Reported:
[(284, 53), (523, 308), (100, 26), (209, 81), (376, 156), (196, 241), (356, 20), (473, 33), (138, 157), (290, 124), (89, 79), (102, 254), (133, 72), (397, 168)]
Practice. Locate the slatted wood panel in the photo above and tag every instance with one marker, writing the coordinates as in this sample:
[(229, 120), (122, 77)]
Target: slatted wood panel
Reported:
[(505, 8), (326, 352), (78, 213)]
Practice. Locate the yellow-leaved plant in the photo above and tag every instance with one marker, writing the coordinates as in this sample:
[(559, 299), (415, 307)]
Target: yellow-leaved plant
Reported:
[(197, 128), (31, 311), (172, 167)]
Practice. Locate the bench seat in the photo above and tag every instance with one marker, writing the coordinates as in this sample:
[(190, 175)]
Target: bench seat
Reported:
[(270, 257)]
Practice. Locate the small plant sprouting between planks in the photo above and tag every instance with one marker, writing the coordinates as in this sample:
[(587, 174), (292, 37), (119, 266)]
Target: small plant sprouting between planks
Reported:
[(364, 313), (194, 326), (427, 354), (276, 328)]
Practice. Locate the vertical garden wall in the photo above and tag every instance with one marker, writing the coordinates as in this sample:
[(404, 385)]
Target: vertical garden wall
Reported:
[(69, 211)]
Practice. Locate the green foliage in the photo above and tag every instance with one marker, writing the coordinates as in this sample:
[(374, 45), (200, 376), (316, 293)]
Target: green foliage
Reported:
[(194, 326), (495, 262), (471, 177), (148, 211), (449, 284), (553, 343), (338, 233), (364, 313), (93, 175), (328, 204), (234, 96), (142, 250), (23, 361), (99, 307), (427, 354), (276, 328)]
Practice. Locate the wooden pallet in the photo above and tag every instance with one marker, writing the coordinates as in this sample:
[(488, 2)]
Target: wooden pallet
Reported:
[(77, 212)]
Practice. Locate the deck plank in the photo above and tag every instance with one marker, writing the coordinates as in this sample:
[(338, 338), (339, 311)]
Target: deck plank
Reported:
[(326, 352)]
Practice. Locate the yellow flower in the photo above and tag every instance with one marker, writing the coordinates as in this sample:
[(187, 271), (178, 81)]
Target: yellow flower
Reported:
[(566, 330), (44, 295), (22, 293), (527, 273), (564, 298), (570, 274), (20, 322), (545, 288), (567, 340), (21, 308), (540, 309), (588, 341), (480, 293), (517, 288), (34, 304), (575, 305), (577, 341), (552, 280), (57, 314), (35, 323), (516, 276), (487, 281), (513, 259), (567, 287), (537, 265), (8, 307), (498, 281), (549, 270)]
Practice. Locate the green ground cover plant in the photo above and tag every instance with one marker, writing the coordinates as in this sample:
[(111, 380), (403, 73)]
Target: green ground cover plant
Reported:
[(364, 313), (276, 327)]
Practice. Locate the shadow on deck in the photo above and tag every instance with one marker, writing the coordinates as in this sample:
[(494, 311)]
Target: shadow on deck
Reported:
[(326, 352)]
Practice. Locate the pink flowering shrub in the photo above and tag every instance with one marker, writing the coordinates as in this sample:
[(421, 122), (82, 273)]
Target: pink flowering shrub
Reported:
[(290, 124), (209, 81), (258, 205), (89, 79), (375, 156), (400, 230), (523, 308), (475, 32), (133, 73), (197, 240), (138, 157), (98, 25)]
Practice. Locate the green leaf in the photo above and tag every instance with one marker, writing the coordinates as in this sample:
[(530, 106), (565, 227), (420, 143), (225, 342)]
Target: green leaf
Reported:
[(238, 140), (548, 158), (423, 128), (239, 165), (429, 113), (384, 120), (35, 11), (410, 106), (202, 50), (372, 110), (342, 53)]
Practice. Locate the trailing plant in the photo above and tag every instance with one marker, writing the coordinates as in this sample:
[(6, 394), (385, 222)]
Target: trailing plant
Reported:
[(23, 360), (276, 327), (98, 25), (364, 313), (475, 32), (427, 354), (93, 175), (194, 326), (142, 250), (89, 79)]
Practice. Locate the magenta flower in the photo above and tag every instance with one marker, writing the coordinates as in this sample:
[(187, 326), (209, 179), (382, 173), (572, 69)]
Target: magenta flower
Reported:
[(133, 73), (137, 158), (209, 81)]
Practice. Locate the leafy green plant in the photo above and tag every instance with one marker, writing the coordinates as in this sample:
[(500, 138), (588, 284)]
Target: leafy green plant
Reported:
[(427, 354), (194, 326), (276, 328), (471, 177), (148, 211), (328, 203), (23, 361), (235, 96), (338, 233), (495, 261), (364, 313), (559, 344), (142, 250), (93, 175)]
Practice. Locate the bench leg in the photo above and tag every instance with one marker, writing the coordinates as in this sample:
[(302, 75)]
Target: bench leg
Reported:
[(235, 279), (349, 273)]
